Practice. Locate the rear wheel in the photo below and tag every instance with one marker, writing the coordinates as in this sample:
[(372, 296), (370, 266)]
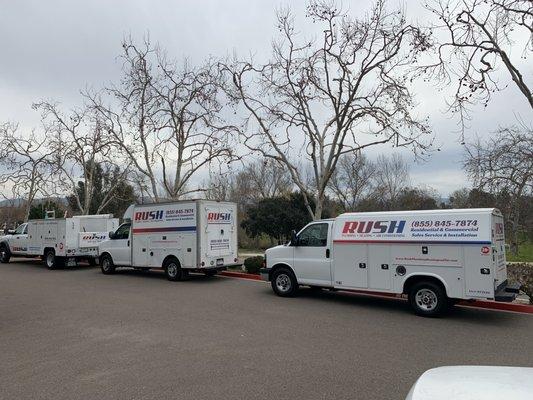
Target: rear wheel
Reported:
[(284, 283), (173, 270), (51, 261), (106, 265), (428, 299), (5, 254)]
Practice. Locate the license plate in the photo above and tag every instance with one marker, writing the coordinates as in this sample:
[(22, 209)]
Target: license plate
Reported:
[(220, 262)]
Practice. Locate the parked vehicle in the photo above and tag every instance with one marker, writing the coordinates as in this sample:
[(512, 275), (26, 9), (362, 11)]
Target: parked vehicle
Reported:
[(179, 237), (435, 257), (472, 382), (60, 242)]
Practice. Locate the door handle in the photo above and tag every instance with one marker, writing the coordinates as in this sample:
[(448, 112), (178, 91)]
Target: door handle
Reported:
[(128, 243), (327, 253)]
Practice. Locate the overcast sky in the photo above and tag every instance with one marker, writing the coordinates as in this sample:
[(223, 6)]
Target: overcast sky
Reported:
[(52, 49)]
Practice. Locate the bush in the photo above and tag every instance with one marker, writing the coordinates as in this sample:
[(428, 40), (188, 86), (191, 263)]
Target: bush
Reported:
[(253, 264), (523, 274)]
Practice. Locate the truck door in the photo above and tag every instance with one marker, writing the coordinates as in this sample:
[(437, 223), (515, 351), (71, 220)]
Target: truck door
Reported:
[(120, 245), (350, 266), (18, 243), (312, 262), (219, 230), (379, 266)]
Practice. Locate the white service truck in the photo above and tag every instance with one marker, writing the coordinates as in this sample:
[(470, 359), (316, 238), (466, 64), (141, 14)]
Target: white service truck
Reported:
[(179, 237), (435, 257), (60, 242)]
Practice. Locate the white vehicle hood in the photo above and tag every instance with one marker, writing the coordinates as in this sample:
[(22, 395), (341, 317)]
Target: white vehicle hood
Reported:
[(474, 383)]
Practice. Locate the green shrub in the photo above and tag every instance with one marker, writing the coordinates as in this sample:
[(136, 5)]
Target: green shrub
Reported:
[(523, 274), (253, 264)]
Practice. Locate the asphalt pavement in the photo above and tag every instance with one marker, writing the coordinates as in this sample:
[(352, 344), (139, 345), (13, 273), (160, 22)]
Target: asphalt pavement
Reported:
[(78, 334)]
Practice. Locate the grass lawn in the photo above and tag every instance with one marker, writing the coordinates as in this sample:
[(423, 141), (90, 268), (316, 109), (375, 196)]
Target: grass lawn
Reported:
[(525, 253)]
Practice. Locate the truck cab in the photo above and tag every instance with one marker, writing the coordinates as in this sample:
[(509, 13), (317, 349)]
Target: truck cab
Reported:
[(308, 254), (16, 243), (118, 246)]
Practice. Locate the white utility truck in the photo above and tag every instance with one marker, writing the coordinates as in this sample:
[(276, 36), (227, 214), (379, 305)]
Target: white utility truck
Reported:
[(60, 242), (436, 257), (179, 237)]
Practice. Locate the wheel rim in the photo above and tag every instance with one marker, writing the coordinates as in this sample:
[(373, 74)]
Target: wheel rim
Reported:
[(426, 299), (105, 264), (50, 260), (283, 283), (3, 253), (172, 270)]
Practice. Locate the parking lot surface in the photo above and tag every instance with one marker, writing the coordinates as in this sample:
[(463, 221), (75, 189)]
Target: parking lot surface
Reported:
[(77, 334)]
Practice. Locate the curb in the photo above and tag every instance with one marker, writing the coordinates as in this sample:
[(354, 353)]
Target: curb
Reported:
[(483, 304)]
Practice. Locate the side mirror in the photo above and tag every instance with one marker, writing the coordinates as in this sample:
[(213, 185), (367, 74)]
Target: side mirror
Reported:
[(294, 238), (111, 235), (10, 231)]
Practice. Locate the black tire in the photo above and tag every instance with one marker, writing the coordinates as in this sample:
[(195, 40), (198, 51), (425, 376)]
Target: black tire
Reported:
[(428, 299), (173, 270), (5, 254), (51, 261), (106, 265), (284, 282), (211, 272), (92, 262)]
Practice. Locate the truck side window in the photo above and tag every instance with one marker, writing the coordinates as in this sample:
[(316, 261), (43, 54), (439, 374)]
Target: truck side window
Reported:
[(123, 231), (315, 235)]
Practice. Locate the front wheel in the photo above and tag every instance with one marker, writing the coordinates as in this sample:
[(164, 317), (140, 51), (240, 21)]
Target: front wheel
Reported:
[(5, 255), (428, 299), (284, 283), (106, 265)]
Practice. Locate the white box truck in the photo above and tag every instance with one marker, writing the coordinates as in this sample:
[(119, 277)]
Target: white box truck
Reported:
[(178, 237), (435, 257), (60, 242)]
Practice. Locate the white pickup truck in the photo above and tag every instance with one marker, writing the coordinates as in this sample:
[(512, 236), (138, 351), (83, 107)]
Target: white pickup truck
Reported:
[(435, 257), (60, 242)]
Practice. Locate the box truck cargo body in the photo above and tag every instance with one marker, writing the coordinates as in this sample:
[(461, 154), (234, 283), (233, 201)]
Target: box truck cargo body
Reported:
[(434, 256), (179, 237), (59, 241)]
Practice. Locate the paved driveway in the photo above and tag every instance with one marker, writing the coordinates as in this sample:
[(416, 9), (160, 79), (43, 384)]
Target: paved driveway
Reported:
[(77, 334)]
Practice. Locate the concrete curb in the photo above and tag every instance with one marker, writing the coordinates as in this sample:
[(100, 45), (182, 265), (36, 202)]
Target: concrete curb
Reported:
[(484, 304)]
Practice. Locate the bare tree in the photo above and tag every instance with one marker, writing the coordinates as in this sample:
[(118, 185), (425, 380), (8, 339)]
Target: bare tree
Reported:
[(317, 100), (165, 119), (390, 177), (504, 163), (258, 180), (352, 180), (80, 145), (479, 38), (25, 160)]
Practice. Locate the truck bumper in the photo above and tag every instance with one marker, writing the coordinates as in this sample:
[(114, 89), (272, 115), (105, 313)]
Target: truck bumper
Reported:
[(265, 274), (506, 292)]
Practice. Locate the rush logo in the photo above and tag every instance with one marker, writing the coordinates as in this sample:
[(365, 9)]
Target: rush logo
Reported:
[(148, 215), (373, 227), (218, 217), (95, 236)]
